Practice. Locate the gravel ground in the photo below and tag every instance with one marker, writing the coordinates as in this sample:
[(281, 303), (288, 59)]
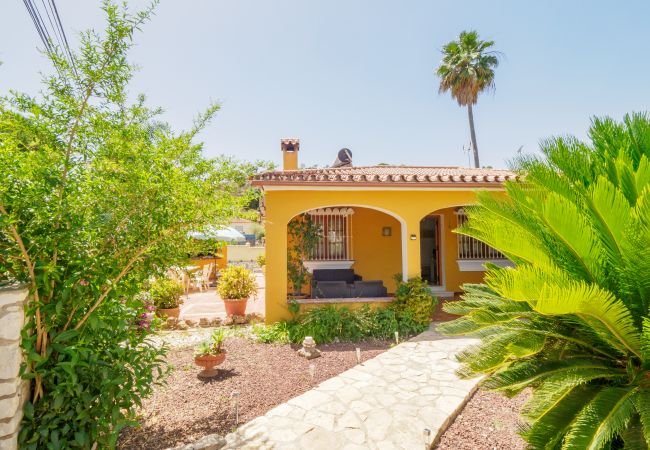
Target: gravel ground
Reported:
[(489, 421), (266, 375)]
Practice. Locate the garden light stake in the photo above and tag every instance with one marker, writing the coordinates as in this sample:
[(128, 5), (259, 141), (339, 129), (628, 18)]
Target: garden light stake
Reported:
[(312, 371), (426, 434), (235, 395)]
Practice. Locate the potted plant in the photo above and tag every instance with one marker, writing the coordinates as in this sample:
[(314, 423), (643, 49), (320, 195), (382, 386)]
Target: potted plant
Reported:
[(236, 285), (211, 353), (166, 296)]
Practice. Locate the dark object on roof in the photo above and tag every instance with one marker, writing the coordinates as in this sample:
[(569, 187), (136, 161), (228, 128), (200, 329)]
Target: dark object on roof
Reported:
[(343, 159)]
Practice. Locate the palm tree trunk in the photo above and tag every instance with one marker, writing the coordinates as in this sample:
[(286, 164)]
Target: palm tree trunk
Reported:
[(473, 135)]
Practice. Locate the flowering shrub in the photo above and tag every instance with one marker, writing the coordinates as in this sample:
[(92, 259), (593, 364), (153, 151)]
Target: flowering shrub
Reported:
[(145, 314)]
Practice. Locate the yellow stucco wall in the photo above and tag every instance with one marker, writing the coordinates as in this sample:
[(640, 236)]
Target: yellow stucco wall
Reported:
[(407, 206), (376, 257)]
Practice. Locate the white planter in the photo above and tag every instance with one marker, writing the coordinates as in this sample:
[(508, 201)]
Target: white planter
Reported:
[(343, 264), (478, 265)]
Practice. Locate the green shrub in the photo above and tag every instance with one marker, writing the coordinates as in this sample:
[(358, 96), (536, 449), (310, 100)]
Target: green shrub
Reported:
[(261, 260), (277, 332), (330, 323), (323, 324), (409, 314), (294, 308), (385, 323), (166, 293), (415, 297), (408, 326), (236, 282)]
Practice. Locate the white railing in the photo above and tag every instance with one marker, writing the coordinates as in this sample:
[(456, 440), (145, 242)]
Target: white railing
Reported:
[(335, 243), (471, 248)]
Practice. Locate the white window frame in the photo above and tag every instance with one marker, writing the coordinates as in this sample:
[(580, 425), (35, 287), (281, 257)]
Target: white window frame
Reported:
[(472, 254), (335, 243)]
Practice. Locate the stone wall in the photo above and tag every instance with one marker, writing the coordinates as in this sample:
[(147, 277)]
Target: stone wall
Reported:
[(13, 390)]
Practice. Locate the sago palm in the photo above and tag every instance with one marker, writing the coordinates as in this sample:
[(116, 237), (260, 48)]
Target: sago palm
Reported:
[(570, 320), (466, 70)]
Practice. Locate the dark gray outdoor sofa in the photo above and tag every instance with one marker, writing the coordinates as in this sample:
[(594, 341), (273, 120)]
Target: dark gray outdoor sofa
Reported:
[(344, 283)]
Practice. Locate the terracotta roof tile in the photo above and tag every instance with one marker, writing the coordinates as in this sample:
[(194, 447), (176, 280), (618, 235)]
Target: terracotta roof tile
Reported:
[(385, 175)]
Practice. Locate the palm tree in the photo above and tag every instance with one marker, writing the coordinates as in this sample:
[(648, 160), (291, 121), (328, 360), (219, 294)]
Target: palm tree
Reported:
[(467, 69), (571, 319)]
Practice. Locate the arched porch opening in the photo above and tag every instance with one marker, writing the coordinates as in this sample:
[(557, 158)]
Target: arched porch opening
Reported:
[(353, 252), (448, 259)]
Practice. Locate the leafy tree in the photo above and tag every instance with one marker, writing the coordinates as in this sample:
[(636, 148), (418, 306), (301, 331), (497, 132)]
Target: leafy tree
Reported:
[(466, 70), (97, 195), (571, 318)]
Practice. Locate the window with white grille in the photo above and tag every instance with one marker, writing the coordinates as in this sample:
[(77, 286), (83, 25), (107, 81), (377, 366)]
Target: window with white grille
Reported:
[(471, 248), (335, 242)]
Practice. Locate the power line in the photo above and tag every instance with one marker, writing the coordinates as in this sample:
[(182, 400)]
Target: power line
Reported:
[(42, 23), (65, 38), (54, 29), (54, 19), (37, 24)]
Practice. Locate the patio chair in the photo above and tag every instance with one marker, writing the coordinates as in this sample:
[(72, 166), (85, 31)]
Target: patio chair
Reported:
[(201, 278), (177, 274)]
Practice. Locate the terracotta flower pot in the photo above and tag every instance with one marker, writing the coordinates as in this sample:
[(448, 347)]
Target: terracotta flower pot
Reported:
[(235, 307), (171, 312), (209, 364)]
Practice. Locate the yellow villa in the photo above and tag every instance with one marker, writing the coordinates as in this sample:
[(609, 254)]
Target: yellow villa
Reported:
[(375, 222)]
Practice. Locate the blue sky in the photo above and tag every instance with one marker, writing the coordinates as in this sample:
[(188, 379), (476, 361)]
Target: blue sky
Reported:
[(360, 74)]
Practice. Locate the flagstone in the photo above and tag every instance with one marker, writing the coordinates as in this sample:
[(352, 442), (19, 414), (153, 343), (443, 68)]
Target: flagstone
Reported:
[(384, 403)]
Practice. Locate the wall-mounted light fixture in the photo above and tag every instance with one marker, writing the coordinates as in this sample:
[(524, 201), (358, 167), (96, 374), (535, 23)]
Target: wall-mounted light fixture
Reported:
[(387, 231), (413, 237)]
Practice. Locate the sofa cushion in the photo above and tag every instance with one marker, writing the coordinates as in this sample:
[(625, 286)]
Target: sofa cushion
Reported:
[(373, 288), (331, 289), (346, 275)]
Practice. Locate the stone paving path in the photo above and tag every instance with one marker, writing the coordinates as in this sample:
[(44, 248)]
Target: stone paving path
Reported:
[(384, 403)]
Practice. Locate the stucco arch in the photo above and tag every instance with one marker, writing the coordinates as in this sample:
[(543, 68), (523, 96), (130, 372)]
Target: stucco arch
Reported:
[(402, 222), (454, 206)]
